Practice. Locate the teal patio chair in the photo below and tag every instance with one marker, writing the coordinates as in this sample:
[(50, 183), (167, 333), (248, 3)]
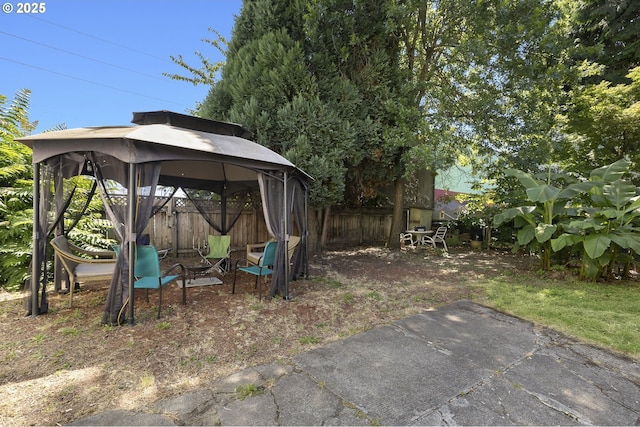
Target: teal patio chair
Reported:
[(264, 267), (148, 275)]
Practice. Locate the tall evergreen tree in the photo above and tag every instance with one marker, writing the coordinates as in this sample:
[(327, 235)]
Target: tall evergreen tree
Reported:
[(267, 86), (608, 33)]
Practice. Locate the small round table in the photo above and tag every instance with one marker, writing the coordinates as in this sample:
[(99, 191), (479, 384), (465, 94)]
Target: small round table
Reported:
[(419, 234)]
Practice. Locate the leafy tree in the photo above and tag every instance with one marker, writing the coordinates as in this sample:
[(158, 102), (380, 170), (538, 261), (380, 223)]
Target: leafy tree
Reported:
[(603, 124), (206, 74), (16, 211), (355, 54), (483, 76)]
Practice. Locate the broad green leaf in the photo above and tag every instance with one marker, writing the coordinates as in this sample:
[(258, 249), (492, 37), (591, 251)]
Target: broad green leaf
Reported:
[(525, 179), (619, 193), (526, 234), (604, 259), (590, 267), (564, 240), (596, 244), (574, 189), (544, 232), (627, 241), (516, 247), (509, 214), (635, 204), (608, 213), (611, 172), (542, 193), (588, 224), (522, 220), (597, 198)]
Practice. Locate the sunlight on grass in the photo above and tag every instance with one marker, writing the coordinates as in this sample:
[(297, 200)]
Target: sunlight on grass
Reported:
[(604, 314)]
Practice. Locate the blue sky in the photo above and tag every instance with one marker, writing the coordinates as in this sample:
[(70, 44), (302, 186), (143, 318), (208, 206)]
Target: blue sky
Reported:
[(94, 62)]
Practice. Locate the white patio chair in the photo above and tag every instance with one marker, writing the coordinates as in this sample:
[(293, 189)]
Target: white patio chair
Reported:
[(438, 237), (407, 239)]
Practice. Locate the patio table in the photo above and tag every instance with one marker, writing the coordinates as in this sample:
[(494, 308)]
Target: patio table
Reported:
[(418, 234)]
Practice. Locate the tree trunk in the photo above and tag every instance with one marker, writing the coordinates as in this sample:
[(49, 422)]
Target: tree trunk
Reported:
[(397, 223)]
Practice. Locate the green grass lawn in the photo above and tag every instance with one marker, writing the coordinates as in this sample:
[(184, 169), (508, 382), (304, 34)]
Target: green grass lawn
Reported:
[(605, 314)]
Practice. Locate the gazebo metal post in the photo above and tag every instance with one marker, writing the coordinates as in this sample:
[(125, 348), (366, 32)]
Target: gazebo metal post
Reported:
[(306, 234), (35, 253), (286, 238), (131, 234)]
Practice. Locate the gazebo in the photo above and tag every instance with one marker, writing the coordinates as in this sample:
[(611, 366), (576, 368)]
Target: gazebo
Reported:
[(164, 149)]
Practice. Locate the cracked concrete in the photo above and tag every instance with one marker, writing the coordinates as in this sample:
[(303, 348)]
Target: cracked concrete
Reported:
[(463, 364)]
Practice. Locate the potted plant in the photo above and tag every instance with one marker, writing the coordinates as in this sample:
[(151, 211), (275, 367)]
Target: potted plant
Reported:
[(476, 242)]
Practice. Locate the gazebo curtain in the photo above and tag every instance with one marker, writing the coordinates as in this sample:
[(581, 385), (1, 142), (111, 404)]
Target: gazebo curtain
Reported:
[(282, 197), (114, 182), (43, 183), (210, 206), (273, 196)]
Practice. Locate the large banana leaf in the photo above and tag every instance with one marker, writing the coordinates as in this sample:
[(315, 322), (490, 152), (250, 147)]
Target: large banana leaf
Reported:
[(612, 172), (525, 179), (596, 244), (543, 193), (511, 213), (627, 241), (609, 213), (526, 234), (544, 232), (619, 193), (634, 206), (565, 239), (537, 191), (589, 224), (578, 188)]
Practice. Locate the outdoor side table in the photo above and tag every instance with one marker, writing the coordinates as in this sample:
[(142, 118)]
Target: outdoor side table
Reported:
[(195, 270)]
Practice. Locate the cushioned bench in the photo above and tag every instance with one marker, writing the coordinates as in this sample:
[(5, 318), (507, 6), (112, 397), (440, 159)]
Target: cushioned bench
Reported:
[(256, 250), (98, 265)]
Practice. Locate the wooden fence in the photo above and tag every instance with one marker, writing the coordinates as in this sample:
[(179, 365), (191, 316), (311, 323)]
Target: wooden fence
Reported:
[(180, 226)]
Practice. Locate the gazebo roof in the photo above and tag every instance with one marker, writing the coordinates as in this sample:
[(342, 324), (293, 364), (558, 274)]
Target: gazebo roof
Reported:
[(185, 145)]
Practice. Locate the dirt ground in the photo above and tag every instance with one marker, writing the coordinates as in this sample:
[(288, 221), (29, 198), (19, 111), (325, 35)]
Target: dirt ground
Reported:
[(65, 365)]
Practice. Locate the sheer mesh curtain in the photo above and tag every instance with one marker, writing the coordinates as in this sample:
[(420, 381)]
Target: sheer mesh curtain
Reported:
[(43, 179), (211, 206), (272, 191), (113, 178), (53, 198)]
